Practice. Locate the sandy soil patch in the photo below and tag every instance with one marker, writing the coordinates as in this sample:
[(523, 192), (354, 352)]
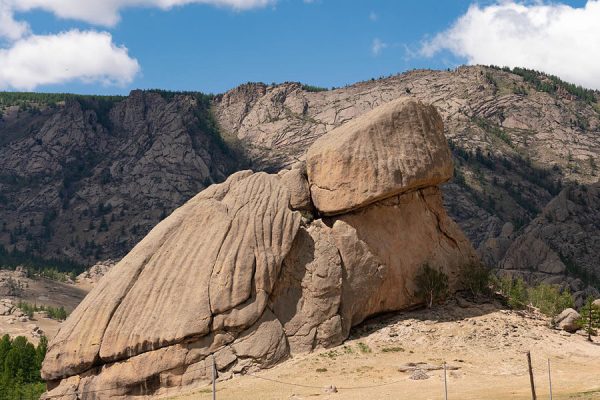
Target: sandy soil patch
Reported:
[(483, 344)]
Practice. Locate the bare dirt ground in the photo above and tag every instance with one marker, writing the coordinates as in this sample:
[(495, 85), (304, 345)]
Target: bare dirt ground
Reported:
[(483, 345), (39, 291)]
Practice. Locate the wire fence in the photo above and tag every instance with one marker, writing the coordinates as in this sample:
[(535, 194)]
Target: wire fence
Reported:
[(208, 366)]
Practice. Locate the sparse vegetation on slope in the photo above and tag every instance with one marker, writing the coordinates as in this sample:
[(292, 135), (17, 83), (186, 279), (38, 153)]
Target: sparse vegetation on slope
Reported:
[(57, 313), (28, 101), (551, 83), (311, 88), (549, 299)]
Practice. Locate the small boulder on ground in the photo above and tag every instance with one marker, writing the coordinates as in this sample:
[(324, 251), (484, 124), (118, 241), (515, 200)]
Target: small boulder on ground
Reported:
[(567, 320)]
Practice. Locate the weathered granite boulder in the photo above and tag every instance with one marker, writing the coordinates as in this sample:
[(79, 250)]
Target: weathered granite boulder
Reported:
[(237, 274), (567, 320), (393, 149)]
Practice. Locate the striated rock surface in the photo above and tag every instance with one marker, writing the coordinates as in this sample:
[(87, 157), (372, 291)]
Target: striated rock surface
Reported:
[(227, 256), (395, 148), (238, 274), (384, 246)]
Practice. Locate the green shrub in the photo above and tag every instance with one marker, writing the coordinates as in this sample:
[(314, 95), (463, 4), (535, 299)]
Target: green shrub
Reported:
[(515, 292), (432, 285), (393, 349), (475, 278), (363, 347), (549, 300)]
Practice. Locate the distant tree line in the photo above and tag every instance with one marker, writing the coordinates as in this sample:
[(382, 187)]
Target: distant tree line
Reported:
[(57, 313), (22, 98), (551, 83), (15, 258), (311, 88)]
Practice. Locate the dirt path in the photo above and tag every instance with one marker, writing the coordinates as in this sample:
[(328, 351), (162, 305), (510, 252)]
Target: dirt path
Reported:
[(483, 345)]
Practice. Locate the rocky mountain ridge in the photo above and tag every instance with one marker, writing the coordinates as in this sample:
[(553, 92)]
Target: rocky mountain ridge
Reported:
[(518, 140)]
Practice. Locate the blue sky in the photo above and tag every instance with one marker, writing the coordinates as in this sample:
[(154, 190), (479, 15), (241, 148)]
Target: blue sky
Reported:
[(213, 48)]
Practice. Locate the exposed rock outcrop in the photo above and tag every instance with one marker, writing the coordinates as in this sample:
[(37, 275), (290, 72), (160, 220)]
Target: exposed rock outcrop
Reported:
[(92, 275), (393, 149), (239, 274), (91, 178)]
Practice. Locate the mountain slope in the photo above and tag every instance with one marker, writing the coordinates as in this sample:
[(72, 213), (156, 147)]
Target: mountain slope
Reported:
[(518, 138), (86, 179)]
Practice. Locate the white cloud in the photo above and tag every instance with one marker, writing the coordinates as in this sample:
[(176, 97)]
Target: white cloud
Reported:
[(106, 12), (75, 55), (28, 61), (9, 28), (554, 38), (377, 46)]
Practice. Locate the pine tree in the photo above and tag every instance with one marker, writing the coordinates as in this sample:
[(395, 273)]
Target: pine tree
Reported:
[(20, 363), (590, 318)]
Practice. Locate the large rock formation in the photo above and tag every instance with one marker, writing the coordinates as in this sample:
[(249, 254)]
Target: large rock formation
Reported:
[(244, 273)]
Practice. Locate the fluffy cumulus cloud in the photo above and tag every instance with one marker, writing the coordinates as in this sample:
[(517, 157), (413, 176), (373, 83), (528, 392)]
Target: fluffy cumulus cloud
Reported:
[(9, 27), (551, 37), (106, 12), (86, 56), (28, 61)]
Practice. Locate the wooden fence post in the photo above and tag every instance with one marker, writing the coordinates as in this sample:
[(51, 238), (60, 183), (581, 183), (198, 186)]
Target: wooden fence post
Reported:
[(445, 383), (550, 379), (533, 396)]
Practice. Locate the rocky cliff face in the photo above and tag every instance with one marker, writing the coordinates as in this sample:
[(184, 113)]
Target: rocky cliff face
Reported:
[(563, 240), (517, 140), (90, 178), (253, 270)]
